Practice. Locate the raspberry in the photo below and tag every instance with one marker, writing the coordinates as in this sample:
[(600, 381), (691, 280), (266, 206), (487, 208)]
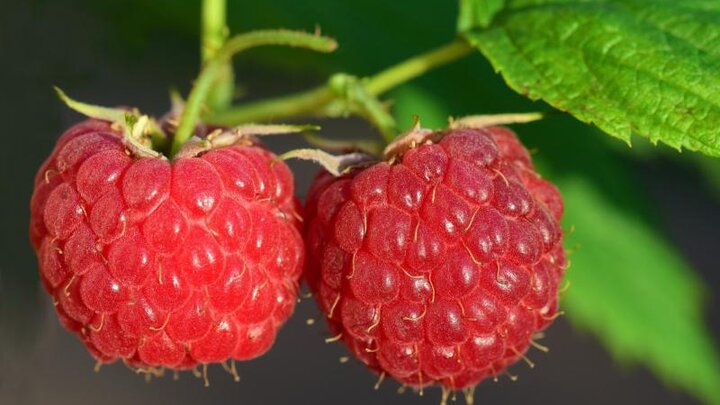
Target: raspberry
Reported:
[(166, 263), (439, 265)]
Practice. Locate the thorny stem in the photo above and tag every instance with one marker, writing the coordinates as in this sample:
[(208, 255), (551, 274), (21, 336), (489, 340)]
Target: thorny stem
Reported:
[(319, 101), (214, 33), (239, 43)]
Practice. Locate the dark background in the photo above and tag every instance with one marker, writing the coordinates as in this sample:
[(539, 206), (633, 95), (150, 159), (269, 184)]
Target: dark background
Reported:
[(81, 47)]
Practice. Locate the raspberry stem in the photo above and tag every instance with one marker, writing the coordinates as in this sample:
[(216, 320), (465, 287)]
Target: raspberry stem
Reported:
[(322, 101), (214, 34), (209, 73), (353, 97), (306, 103), (416, 66)]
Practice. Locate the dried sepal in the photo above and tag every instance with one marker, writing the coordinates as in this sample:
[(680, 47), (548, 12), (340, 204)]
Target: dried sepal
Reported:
[(493, 120), (140, 132), (369, 146), (241, 135), (337, 165), (417, 135)]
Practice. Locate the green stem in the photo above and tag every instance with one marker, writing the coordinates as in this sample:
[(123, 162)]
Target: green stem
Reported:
[(315, 101), (203, 84), (297, 39), (295, 105), (416, 66), (214, 33), (213, 28), (372, 109), (354, 97)]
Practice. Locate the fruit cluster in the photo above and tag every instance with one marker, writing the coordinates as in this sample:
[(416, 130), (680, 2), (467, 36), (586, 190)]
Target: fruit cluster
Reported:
[(435, 265)]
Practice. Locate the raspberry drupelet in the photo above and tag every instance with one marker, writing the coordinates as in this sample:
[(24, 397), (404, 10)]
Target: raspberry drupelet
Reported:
[(166, 263), (438, 265)]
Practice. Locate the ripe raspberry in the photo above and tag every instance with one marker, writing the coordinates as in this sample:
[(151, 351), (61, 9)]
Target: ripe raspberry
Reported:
[(438, 266), (166, 263)]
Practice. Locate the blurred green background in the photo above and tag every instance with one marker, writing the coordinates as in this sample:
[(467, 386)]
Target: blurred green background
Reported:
[(644, 220)]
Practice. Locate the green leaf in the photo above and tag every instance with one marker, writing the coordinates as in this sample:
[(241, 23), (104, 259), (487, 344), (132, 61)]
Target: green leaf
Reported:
[(475, 13), (631, 289), (640, 67)]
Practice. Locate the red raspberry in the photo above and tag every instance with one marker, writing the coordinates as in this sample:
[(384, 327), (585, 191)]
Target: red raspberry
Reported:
[(438, 266), (166, 263)]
